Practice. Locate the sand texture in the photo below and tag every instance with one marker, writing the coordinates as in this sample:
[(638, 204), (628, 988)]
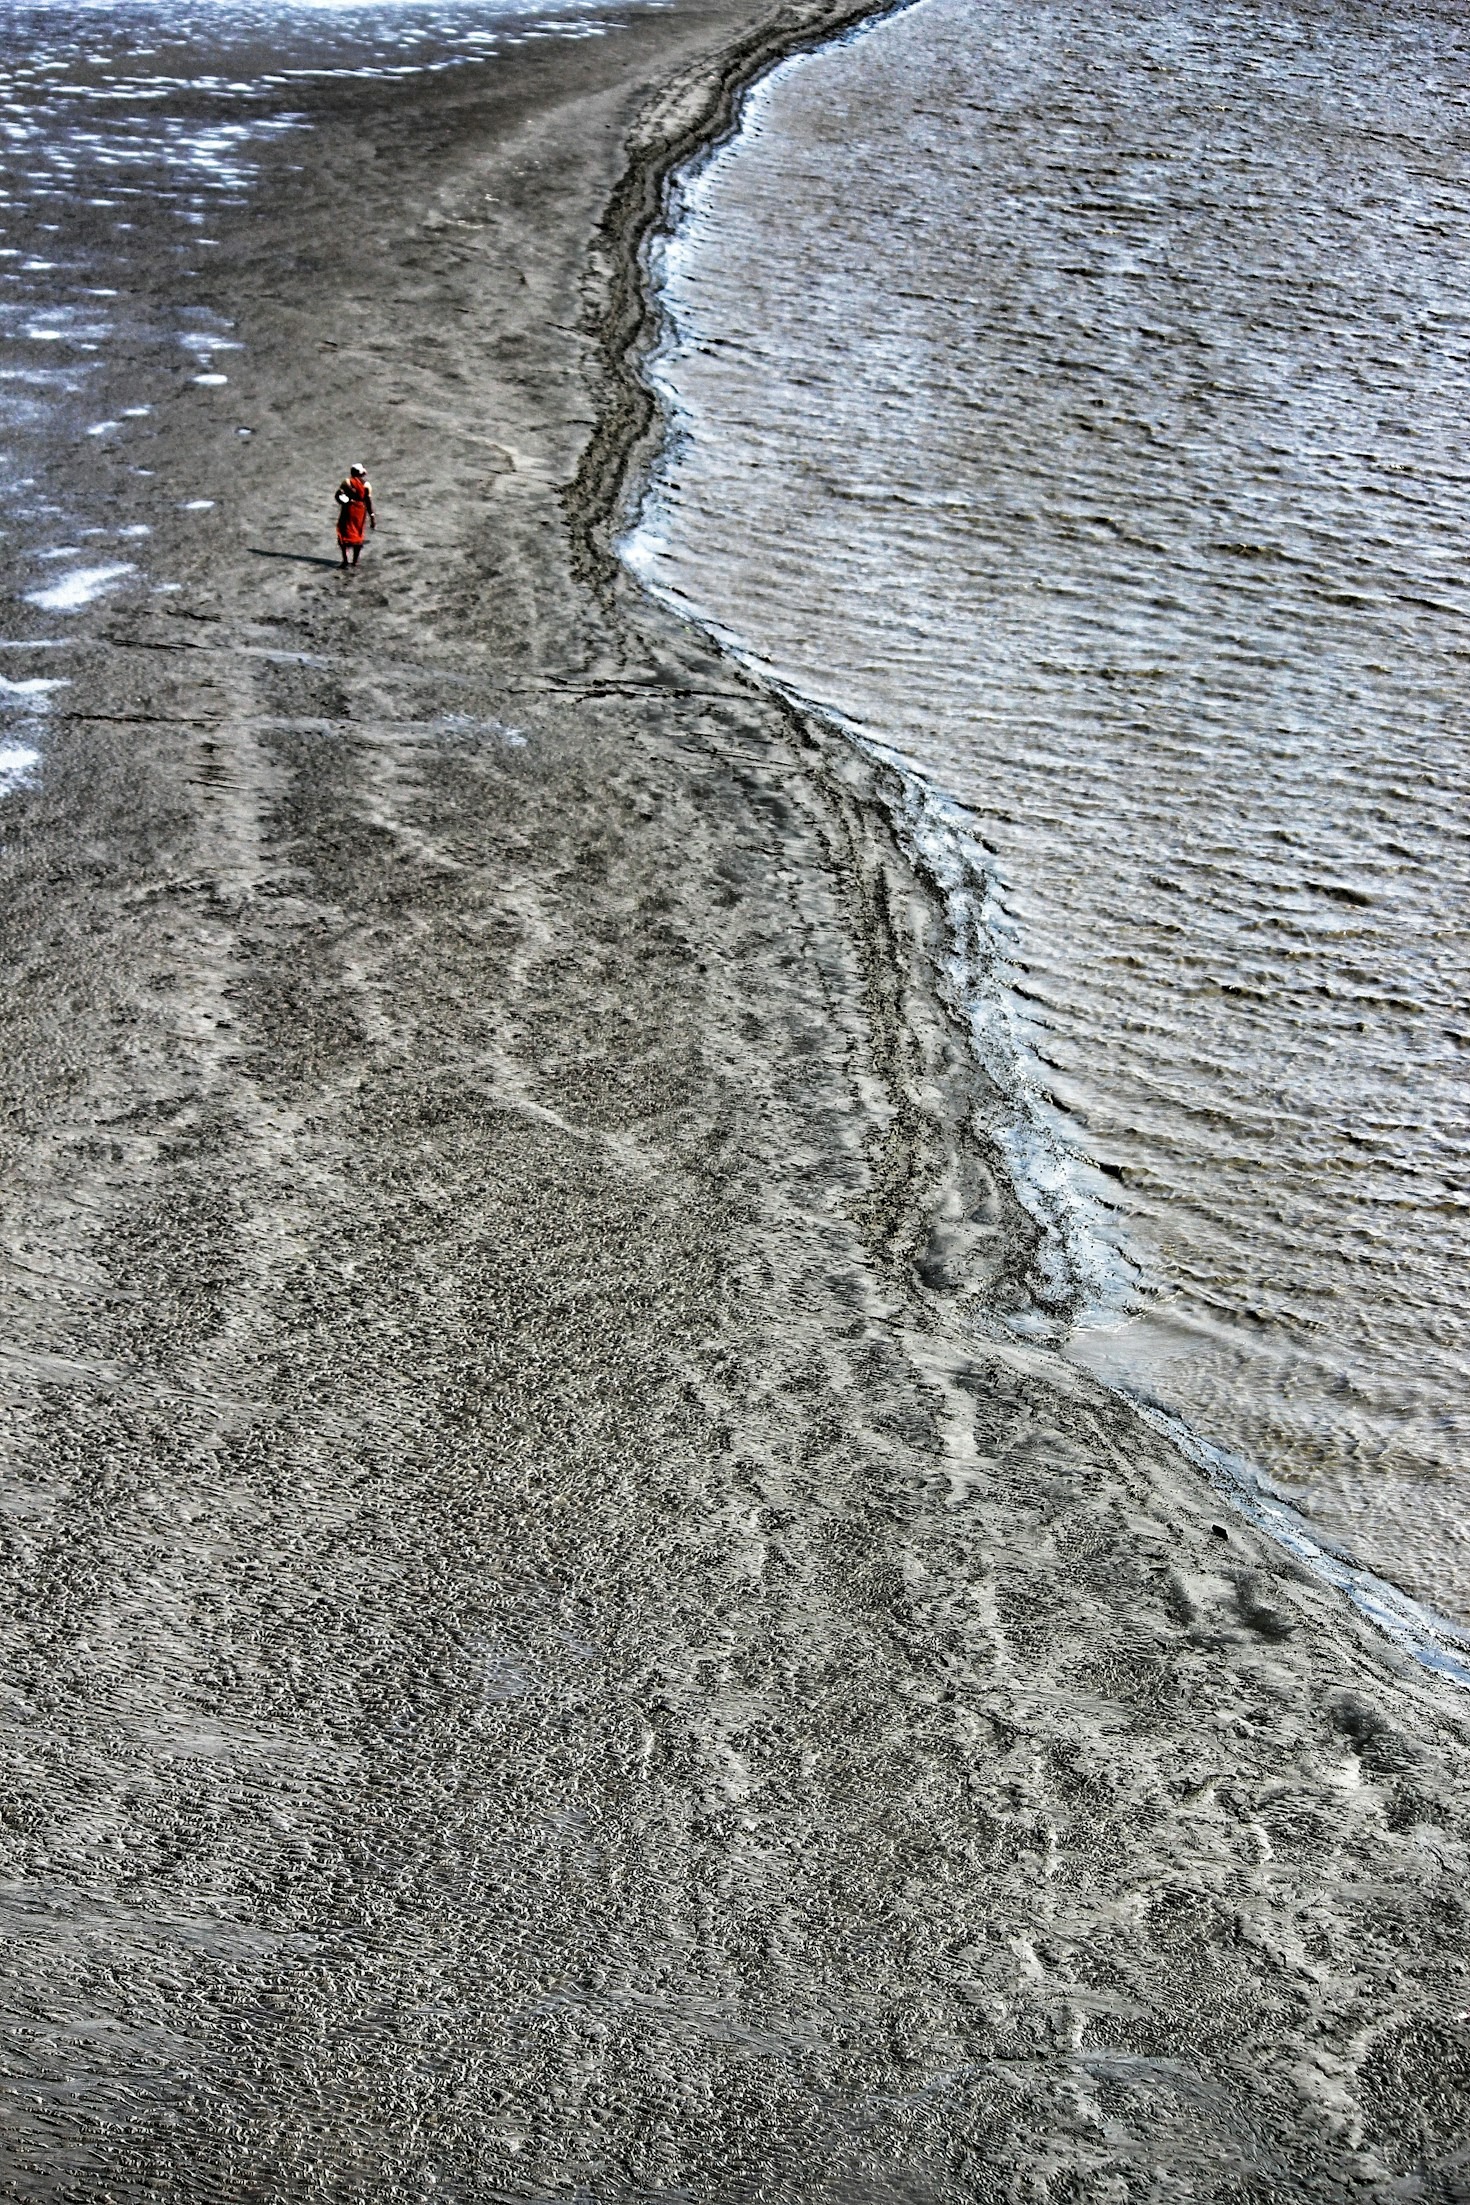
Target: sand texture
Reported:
[(546, 1656)]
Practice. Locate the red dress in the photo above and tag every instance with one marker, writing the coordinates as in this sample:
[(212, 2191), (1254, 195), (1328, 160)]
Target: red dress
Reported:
[(354, 504)]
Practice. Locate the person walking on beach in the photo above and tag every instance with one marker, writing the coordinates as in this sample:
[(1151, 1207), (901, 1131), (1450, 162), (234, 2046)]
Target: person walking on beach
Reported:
[(355, 515)]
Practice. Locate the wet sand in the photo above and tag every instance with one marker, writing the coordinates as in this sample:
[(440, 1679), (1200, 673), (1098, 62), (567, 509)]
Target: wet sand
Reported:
[(545, 1655)]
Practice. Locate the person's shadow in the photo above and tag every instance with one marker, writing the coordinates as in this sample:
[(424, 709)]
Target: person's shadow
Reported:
[(302, 558)]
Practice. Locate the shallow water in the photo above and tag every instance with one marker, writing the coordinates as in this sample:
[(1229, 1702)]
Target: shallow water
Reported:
[(129, 134), (1072, 398)]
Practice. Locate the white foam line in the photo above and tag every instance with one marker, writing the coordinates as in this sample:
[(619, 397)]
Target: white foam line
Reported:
[(1082, 1274), (1432, 1639)]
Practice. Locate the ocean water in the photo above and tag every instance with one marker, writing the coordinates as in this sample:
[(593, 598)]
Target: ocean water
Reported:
[(132, 133), (1070, 396)]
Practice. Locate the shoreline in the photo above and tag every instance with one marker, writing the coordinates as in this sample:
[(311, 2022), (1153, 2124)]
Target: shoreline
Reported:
[(547, 1658), (673, 139), (614, 480)]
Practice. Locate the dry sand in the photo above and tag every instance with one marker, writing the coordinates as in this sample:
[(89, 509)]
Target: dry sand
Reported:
[(545, 1656)]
